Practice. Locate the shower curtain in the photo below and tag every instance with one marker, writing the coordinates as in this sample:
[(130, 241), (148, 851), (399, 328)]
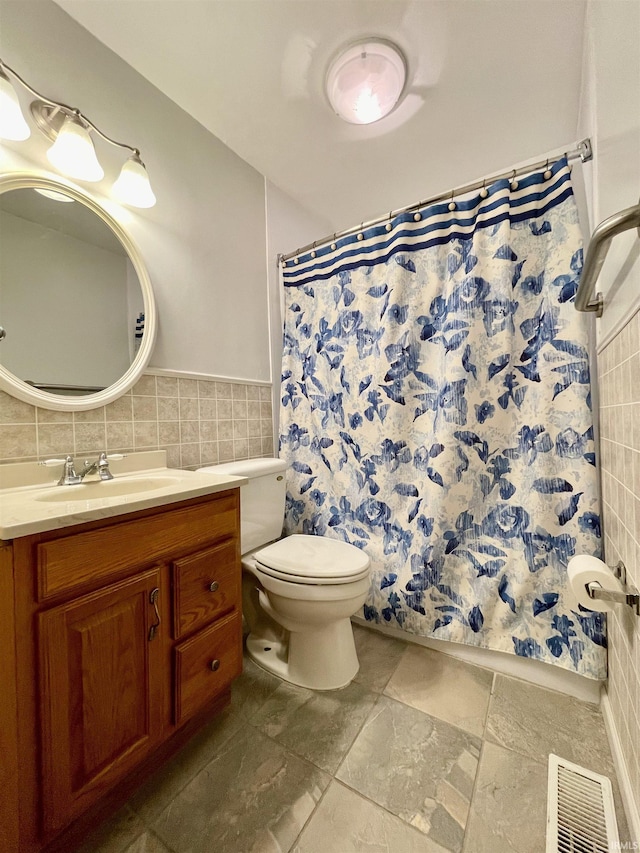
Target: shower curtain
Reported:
[(436, 412)]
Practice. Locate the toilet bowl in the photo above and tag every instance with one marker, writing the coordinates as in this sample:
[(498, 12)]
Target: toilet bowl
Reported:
[(298, 592)]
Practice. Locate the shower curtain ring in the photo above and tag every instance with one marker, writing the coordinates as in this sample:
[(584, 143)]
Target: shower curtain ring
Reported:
[(389, 226), (360, 234), (547, 171), (452, 204), (313, 250), (513, 183), (333, 244), (484, 192), (296, 260)]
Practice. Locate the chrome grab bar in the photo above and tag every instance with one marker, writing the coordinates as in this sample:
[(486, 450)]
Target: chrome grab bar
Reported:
[(597, 250)]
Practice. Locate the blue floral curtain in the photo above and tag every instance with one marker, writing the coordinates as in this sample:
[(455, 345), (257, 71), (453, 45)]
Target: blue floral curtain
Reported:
[(436, 412)]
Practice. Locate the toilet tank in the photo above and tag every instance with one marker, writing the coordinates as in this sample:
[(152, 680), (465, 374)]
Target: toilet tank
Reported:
[(262, 500)]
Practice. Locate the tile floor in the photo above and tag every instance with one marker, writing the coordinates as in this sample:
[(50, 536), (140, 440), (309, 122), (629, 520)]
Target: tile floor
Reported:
[(422, 753)]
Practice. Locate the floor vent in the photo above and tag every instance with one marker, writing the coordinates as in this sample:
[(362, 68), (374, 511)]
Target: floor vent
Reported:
[(580, 812)]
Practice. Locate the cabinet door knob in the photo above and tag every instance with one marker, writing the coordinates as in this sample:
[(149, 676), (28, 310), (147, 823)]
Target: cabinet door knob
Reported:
[(213, 586), (214, 665)]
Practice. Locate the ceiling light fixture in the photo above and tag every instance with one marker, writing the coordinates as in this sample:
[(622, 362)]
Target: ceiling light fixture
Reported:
[(365, 81), (72, 152)]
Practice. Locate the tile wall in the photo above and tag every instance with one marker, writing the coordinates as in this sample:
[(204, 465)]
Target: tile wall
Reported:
[(619, 381), (198, 422)]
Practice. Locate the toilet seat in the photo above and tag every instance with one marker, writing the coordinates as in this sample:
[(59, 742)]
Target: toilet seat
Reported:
[(305, 559)]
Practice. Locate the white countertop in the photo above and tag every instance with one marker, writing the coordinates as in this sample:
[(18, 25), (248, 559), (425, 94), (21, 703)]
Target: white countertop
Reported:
[(32, 502)]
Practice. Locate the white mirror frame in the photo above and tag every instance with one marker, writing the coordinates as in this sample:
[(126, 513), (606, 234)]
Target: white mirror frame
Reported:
[(43, 399)]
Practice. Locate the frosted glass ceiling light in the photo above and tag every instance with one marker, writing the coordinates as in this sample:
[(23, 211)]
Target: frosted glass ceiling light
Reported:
[(12, 123), (365, 82), (132, 186), (72, 152)]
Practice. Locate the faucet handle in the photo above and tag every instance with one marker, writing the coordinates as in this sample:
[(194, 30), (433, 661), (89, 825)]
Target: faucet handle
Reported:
[(50, 463), (103, 464), (68, 476), (109, 457)]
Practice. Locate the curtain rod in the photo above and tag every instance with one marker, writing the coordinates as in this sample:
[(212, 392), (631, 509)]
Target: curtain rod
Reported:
[(582, 150)]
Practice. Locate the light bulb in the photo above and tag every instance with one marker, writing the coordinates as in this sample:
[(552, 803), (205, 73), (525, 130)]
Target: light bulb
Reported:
[(132, 186), (365, 82), (367, 107), (12, 123), (73, 152)]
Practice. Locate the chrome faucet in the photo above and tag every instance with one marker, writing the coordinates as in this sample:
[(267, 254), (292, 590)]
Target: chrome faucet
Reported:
[(101, 465), (70, 477)]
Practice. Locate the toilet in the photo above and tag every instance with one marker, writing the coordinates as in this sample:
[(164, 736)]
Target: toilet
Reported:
[(298, 592)]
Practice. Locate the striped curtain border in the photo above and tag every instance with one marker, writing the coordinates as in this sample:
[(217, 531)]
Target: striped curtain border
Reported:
[(534, 196)]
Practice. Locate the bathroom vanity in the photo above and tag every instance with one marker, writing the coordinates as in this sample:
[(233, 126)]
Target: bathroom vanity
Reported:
[(120, 634)]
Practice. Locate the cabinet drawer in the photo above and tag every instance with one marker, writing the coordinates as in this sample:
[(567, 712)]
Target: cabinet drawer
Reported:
[(206, 664), (108, 553), (205, 585)]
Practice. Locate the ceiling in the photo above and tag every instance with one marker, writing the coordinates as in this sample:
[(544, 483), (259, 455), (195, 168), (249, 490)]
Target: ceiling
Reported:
[(491, 83)]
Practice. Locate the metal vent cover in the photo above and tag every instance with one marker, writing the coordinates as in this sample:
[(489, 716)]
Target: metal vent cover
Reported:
[(580, 812)]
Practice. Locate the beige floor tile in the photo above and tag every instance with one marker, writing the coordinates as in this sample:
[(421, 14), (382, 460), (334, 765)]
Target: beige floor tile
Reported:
[(535, 721), (508, 811), (345, 822), (254, 796), (444, 687), (158, 791), (378, 655), (317, 725), (417, 767)]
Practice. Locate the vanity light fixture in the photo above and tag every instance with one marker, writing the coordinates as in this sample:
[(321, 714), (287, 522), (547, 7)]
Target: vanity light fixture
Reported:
[(365, 81), (12, 123), (72, 152), (133, 183)]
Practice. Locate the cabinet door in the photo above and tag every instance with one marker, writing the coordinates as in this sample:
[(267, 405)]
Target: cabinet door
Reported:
[(101, 693)]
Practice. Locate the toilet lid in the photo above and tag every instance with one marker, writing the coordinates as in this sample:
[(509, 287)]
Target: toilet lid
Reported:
[(313, 559)]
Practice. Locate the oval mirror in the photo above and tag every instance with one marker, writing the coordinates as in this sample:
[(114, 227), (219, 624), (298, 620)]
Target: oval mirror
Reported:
[(77, 314)]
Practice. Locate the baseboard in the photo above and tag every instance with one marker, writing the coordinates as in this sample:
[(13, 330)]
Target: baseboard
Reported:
[(631, 807), (537, 672)]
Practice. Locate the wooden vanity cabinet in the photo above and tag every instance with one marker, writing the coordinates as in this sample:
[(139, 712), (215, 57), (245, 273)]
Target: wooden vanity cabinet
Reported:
[(126, 632)]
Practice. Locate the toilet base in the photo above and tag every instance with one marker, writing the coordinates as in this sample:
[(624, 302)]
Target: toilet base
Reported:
[(319, 660)]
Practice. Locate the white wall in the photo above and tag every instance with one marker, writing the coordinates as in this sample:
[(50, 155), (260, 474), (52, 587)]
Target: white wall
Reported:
[(610, 115), (289, 226), (204, 241)]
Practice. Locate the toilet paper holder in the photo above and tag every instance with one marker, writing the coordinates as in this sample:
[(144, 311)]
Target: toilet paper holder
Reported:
[(630, 596)]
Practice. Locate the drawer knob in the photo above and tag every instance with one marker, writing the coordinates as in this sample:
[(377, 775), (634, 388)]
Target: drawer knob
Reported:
[(213, 586), (214, 665)]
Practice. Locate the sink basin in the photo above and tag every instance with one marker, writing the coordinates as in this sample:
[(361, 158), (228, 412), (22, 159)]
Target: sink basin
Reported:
[(31, 503), (106, 489)]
